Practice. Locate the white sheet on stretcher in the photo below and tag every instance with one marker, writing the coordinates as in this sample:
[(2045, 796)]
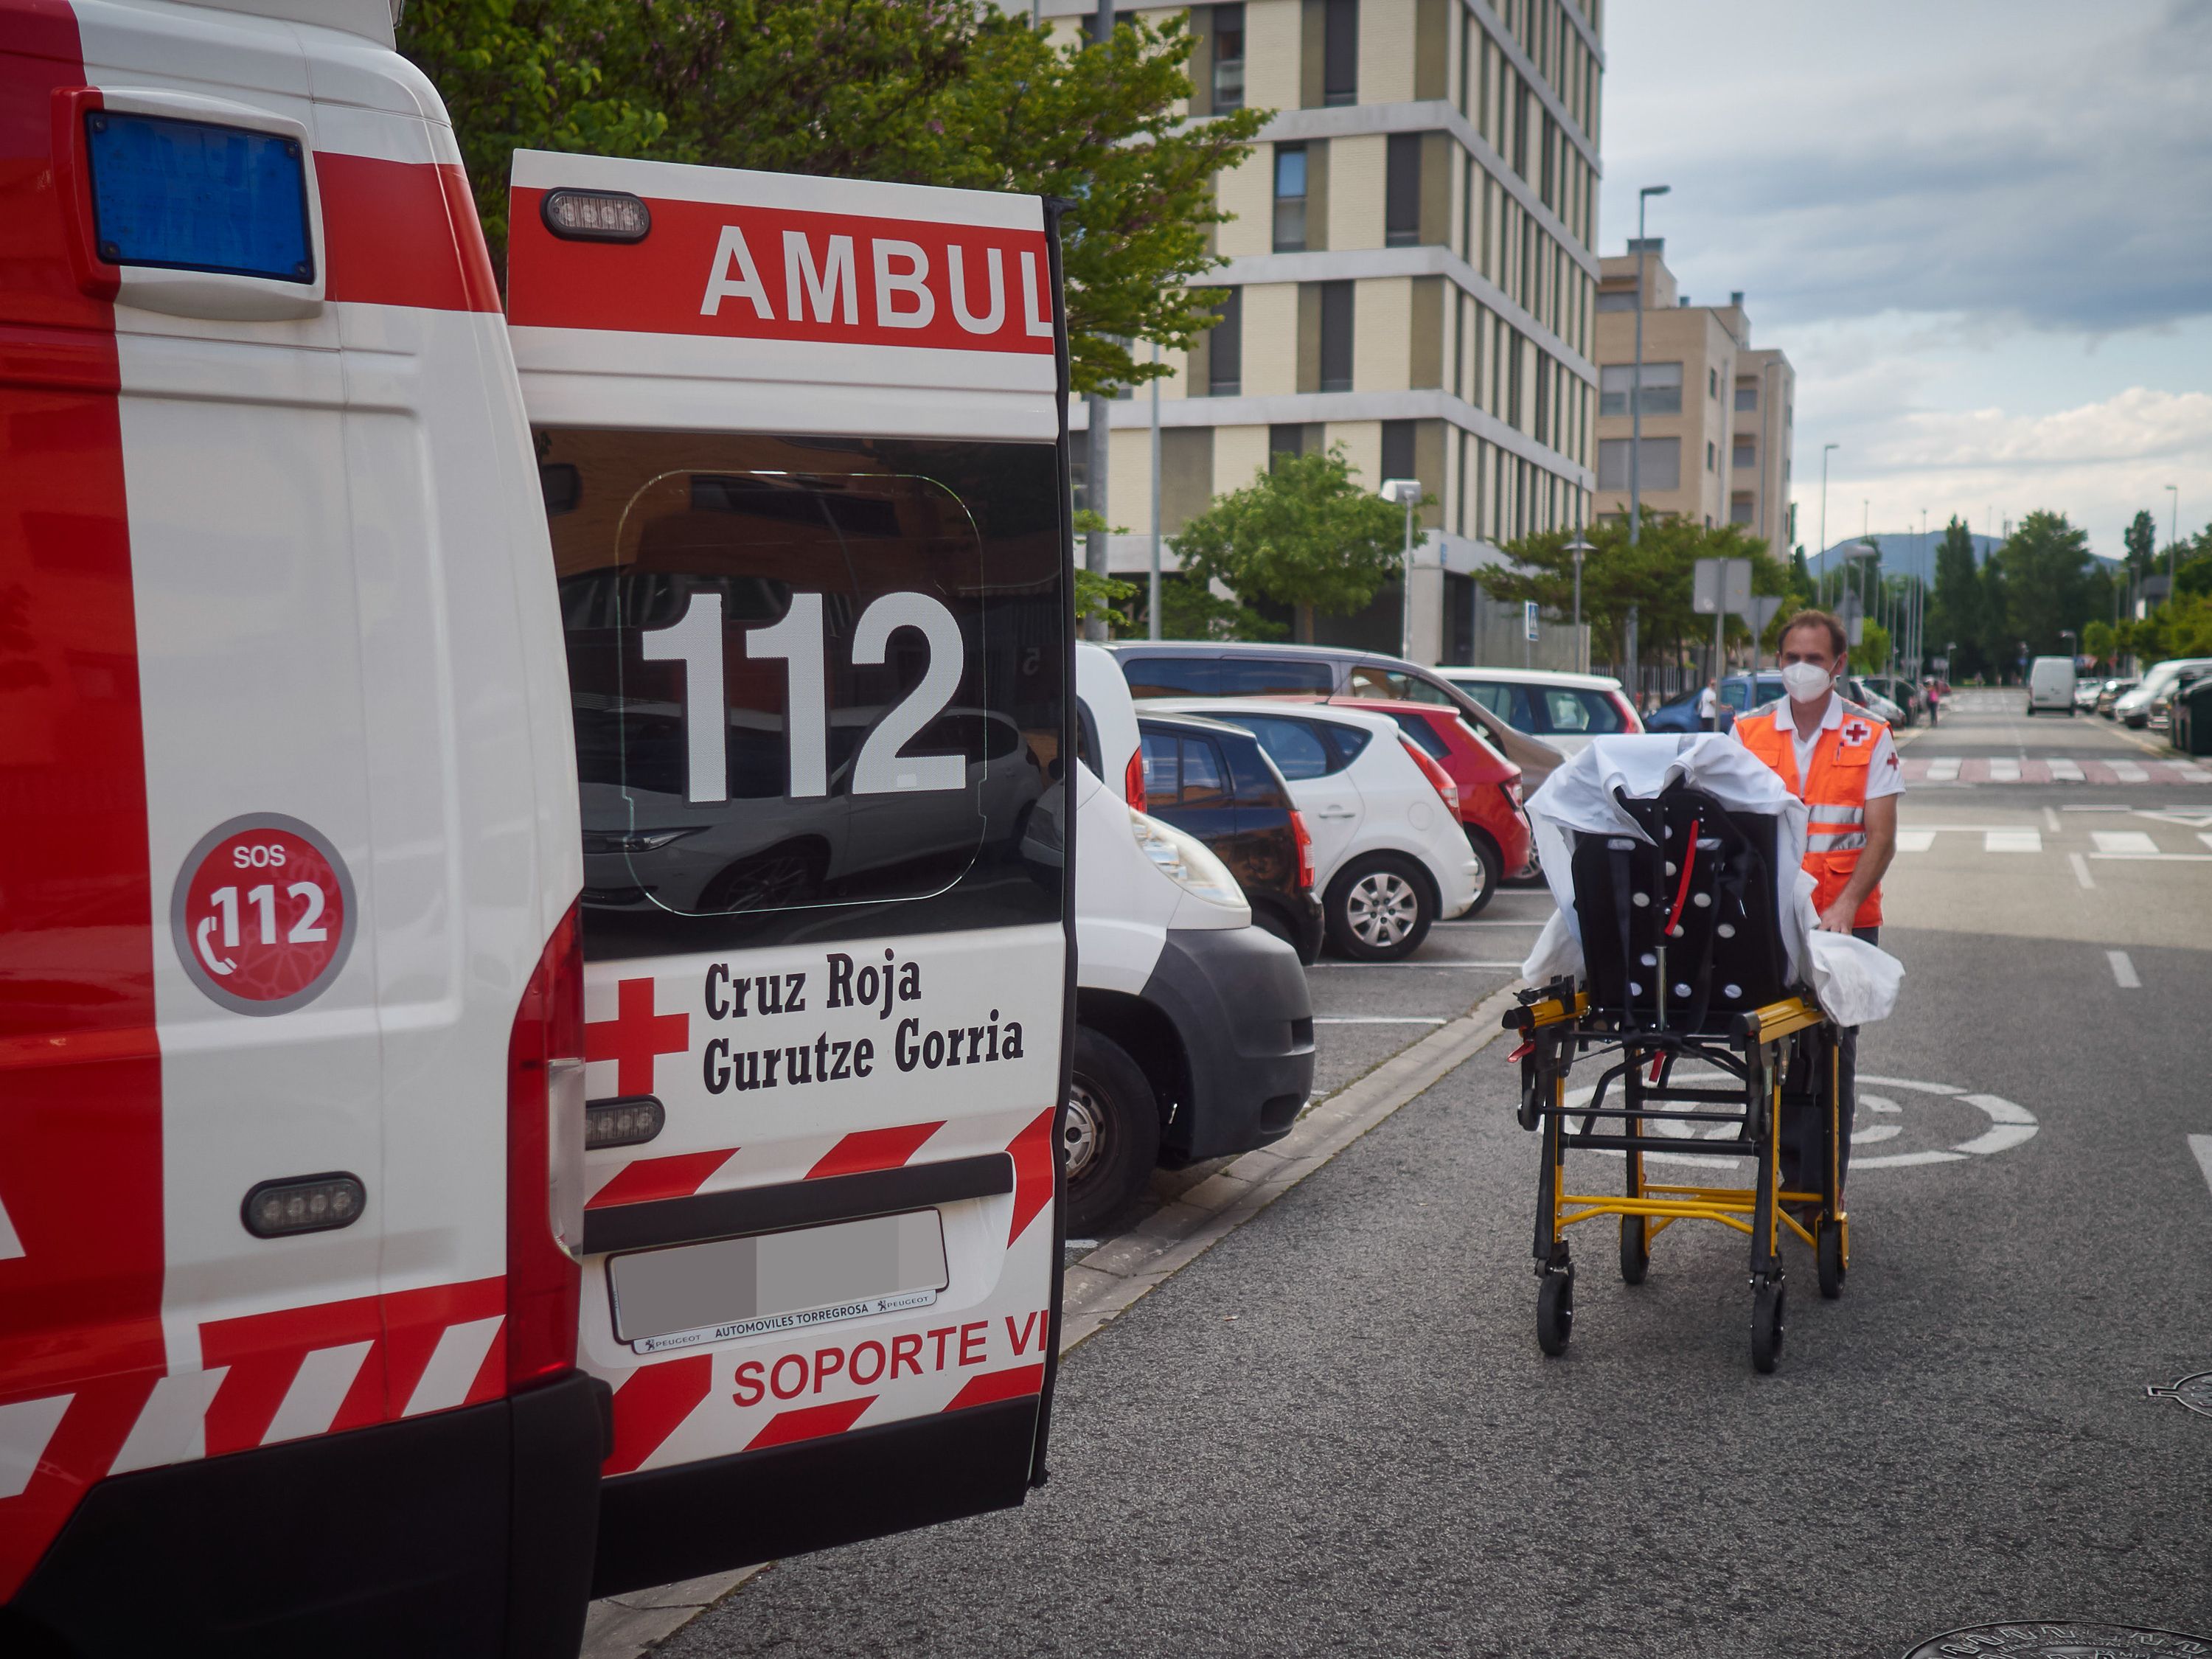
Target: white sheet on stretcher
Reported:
[(1855, 982)]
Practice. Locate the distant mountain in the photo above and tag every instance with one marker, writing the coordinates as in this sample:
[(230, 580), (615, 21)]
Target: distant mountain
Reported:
[(1911, 554)]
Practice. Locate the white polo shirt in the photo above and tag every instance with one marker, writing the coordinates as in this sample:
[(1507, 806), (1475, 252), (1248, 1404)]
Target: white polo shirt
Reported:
[(1884, 774)]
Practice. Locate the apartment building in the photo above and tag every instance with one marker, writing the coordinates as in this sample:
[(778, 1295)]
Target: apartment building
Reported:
[(1717, 413), (1410, 274)]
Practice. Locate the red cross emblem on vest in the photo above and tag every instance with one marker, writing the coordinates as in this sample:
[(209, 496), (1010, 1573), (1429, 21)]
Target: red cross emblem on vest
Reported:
[(1856, 732), (636, 1036)]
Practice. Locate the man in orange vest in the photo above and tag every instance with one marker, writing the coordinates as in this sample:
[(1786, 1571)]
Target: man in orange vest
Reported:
[(1838, 760)]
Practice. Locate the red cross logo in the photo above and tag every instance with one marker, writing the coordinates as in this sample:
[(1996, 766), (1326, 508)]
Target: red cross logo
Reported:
[(635, 1036), (1856, 732)]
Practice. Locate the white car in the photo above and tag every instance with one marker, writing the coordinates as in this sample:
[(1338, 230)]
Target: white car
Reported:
[(2136, 709), (1389, 856), (2050, 682), (1564, 710), (1194, 1028)]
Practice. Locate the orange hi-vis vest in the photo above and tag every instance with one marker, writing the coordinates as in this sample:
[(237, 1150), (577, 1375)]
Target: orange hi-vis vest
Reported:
[(1834, 790)]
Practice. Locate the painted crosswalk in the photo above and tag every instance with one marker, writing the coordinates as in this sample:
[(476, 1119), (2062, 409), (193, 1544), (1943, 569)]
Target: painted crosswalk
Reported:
[(2000, 769), (2122, 845)]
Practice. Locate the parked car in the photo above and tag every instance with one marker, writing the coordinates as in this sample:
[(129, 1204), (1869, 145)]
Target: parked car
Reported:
[(2050, 685), (1194, 1028), (1739, 693), (1489, 785), (2134, 709), (2111, 692), (1214, 780), (1174, 668), (1565, 710), (1389, 856), (2086, 693), (1899, 690)]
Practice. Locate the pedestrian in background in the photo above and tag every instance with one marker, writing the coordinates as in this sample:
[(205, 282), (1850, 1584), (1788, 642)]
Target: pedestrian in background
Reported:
[(1709, 707)]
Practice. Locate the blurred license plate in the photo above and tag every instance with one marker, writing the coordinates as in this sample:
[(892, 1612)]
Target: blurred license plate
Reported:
[(728, 1288)]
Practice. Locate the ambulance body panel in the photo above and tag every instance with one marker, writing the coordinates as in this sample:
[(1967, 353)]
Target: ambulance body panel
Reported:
[(287, 821), (803, 448)]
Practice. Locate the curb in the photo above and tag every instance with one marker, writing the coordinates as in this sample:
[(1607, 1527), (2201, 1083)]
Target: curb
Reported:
[(1121, 1272)]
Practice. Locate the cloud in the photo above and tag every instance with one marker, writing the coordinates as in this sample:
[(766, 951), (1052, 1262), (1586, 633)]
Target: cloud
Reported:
[(2038, 166)]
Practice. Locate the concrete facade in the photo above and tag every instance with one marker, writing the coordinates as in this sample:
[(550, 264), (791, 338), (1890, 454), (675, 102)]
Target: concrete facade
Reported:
[(1428, 300), (1718, 413)]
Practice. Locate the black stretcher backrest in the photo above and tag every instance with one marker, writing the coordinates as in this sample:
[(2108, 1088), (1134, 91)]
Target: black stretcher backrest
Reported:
[(1726, 955)]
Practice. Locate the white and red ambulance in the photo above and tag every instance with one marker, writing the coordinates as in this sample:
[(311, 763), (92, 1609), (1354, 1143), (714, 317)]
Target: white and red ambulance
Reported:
[(529, 1062)]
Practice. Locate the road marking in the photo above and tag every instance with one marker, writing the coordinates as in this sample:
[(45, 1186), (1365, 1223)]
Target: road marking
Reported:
[(2051, 821), (1380, 1019), (2066, 771), (1944, 770), (2122, 841), (1432, 967), (2123, 971), (2205, 835), (1915, 841), (2202, 1145), (2012, 841), (2081, 870), (2189, 772), (2095, 808), (2129, 772), (2004, 771), (2157, 858)]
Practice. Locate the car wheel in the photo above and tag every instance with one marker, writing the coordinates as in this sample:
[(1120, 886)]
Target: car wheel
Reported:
[(771, 880), (1111, 1133), (1379, 909), (1489, 871)]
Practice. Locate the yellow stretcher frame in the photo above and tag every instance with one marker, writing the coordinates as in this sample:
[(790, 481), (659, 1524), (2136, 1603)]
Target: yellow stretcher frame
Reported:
[(1552, 1026)]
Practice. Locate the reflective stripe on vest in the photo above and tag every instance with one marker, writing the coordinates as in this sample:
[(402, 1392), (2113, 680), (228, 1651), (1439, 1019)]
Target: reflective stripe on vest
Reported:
[(1850, 840), (1825, 811)]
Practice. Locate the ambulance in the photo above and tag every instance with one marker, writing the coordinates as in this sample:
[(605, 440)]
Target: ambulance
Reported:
[(535, 964)]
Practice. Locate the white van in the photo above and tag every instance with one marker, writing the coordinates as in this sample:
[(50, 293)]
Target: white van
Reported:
[(1194, 1035), (1389, 855), (422, 1201), (2050, 685)]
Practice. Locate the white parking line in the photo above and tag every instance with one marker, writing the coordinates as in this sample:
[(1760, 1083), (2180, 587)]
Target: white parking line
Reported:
[(2051, 821), (2080, 869), (2205, 835), (1380, 1019), (2202, 1145), (1915, 841), (2012, 841), (2122, 841), (2123, 971)]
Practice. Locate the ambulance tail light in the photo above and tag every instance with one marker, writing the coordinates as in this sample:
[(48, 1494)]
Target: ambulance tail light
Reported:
[(1305, 848), (545, 1163), (1133, 780), (1439, 779)]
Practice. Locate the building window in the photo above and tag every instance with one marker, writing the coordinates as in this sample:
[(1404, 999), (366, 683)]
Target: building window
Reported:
[(1228, 57), (1662, 388), (1290, 198), (1747, 396), (1712, 383), (1285, 440), (1662, 468), (1744, 456), (1465, 487), (1398, 451), (1340, 62), (1739, 509), (1616, 299), (1708, 455), (1401, 191), (1336, 336), (1224, 357)]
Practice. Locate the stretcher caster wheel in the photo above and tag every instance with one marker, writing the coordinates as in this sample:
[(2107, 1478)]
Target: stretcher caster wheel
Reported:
[(1828, 1250), (1635, 1250), (1769, 1309), (1555, 1312)]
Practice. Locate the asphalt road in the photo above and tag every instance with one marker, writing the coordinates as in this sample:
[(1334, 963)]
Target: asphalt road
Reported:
[(1334, 1433)]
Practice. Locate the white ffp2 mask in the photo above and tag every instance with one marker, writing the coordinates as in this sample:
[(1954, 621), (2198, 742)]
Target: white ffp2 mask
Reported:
[(1805, 683)]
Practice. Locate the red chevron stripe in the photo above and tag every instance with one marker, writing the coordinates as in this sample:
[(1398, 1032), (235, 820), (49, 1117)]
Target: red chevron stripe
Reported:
[(873, 1149), (1034, 1171), (653, 1405), (809, 1423), (677, 1176), (1015, 1382)]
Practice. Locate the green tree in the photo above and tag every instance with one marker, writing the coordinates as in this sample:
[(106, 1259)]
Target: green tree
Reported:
[(2100, 639), (2141, 540), (956, 92), (1306, 534), (2045, 568)]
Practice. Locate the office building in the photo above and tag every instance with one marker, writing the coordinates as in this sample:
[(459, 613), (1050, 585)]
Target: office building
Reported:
[(1410, 274)]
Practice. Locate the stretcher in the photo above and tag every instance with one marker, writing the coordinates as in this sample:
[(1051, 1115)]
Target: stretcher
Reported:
[(1684, 968)]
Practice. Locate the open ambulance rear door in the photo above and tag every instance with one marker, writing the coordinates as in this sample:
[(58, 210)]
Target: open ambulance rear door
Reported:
[(803, 448)]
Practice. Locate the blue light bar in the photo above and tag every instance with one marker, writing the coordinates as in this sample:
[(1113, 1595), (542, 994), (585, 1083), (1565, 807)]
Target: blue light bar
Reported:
[(193, 196)]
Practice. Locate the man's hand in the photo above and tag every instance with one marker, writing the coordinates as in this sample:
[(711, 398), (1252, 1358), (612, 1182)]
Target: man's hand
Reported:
[(1837, 917)]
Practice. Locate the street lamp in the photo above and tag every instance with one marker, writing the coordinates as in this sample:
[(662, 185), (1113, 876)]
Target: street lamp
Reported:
[(1579, 547), (1825, 449), (2173, 539), (1407, 492)]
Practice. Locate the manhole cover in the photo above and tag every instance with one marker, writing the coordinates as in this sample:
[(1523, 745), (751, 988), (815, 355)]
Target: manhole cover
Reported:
[(2194, 1392), (2065, 1638)]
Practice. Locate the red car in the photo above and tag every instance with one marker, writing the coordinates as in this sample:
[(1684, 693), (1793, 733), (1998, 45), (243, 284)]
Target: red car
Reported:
[(1490, 808)]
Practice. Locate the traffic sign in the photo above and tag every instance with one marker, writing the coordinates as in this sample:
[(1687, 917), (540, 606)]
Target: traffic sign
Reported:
[(1721, 586), (1528, 619)]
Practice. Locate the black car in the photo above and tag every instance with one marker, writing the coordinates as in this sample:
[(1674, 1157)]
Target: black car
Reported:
[(1213, 781)]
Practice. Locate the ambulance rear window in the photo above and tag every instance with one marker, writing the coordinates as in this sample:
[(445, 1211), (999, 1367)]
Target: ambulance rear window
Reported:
[(197, 196), (811, 678)]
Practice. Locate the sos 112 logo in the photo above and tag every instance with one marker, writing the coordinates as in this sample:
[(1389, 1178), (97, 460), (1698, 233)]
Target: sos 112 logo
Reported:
[(263, 915)]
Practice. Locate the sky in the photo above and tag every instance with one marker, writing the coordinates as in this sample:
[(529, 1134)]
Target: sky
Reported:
[(1981, 230)]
